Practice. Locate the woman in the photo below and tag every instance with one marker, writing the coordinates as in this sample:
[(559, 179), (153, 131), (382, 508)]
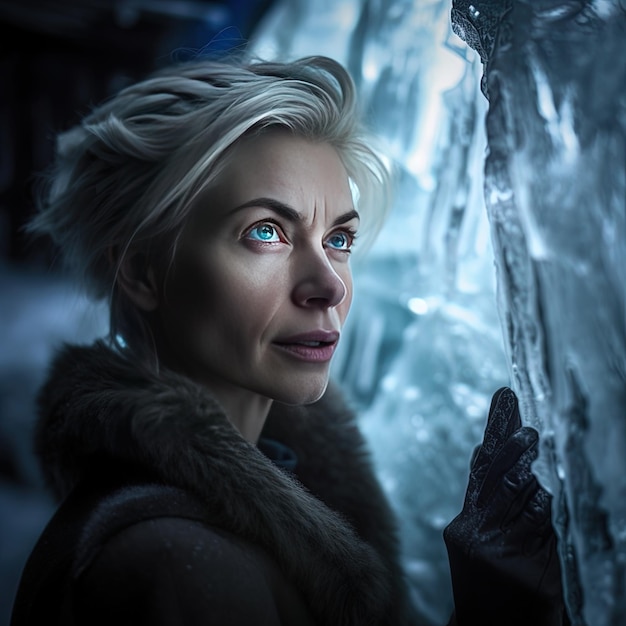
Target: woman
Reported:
[(208, 473), (214, 201)]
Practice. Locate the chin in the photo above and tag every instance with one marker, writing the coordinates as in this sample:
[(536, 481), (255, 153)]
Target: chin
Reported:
[(303, 394)]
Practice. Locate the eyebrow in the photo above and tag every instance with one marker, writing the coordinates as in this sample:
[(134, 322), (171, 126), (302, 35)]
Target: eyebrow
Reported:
[(289, 212)]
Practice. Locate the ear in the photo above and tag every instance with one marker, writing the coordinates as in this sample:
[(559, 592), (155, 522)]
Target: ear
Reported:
[(137, 278)]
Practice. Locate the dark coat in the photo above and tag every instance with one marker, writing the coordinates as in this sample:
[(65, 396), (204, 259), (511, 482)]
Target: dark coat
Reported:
[(171, 517)]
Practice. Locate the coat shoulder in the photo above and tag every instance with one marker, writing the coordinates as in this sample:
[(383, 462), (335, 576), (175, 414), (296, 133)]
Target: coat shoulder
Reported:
[(179, 570)]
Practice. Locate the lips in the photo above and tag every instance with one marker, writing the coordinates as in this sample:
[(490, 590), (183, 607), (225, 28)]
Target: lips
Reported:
[(316, 346)]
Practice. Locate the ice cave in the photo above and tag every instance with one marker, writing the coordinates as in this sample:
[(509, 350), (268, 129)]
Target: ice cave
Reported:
[(503, 262)]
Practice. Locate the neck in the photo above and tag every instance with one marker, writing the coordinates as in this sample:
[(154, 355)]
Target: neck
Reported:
[(246, 410)]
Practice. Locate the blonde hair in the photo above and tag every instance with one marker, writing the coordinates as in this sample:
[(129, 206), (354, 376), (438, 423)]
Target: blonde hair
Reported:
[(129, 173)]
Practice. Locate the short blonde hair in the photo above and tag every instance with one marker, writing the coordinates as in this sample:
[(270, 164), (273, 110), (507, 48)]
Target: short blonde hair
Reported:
[(129, 173)]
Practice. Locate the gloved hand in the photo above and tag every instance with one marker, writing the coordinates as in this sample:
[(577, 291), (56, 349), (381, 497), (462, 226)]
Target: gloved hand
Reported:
[(502, 547)]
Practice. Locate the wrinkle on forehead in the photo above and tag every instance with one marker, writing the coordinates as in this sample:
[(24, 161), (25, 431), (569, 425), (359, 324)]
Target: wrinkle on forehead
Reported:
[(305, 175)]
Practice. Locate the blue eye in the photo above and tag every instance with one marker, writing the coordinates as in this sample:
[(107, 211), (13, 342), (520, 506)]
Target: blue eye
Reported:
[(341, 241), (265, 233)]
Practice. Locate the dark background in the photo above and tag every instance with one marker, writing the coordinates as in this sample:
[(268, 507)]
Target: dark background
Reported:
[(57, 60)]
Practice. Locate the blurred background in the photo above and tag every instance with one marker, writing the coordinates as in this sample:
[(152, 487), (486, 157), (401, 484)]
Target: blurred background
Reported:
[(422, 352)]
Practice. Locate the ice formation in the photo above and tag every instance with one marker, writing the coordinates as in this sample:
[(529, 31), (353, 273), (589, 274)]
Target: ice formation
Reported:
[(555, 78)]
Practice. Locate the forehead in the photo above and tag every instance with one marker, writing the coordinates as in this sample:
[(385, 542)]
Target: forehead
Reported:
[(280, 162), (282, 168)]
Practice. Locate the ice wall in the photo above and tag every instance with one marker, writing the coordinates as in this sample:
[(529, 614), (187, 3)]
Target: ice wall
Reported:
[(555, 78), (422, 352)]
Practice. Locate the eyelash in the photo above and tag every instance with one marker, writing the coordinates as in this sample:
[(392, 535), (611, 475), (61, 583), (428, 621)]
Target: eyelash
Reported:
[(259, 225), (349, 233), (351, 236)]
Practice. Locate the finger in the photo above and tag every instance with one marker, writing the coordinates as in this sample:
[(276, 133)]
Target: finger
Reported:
[(503, 421), (475, 477), (510, 468), (539, 508), (475, 454), (535, 524), (504, 418), (526, 504)]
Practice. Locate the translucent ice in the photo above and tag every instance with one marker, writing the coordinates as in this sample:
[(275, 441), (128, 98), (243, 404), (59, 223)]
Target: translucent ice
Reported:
[(555, 77)]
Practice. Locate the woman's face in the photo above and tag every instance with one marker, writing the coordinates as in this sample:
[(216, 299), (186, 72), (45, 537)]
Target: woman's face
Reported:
[(261, 284)]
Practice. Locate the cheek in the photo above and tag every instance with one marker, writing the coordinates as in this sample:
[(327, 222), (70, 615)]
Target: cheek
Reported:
[(256, 284), (194, 294), (250, 296)]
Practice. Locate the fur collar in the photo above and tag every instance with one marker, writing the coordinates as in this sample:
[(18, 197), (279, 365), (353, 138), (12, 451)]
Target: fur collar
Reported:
[(330, 528)]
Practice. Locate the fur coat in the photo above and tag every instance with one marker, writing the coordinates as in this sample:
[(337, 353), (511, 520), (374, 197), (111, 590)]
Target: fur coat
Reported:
[(328, 526)]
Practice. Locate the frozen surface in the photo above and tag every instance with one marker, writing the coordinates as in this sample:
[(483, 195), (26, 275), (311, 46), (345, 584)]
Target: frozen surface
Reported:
[(555, 77)]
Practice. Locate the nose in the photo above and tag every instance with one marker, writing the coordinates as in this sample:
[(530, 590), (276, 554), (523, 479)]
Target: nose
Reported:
[(317, 283)]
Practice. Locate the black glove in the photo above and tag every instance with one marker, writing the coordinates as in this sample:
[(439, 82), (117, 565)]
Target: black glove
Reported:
[(502, 547)]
